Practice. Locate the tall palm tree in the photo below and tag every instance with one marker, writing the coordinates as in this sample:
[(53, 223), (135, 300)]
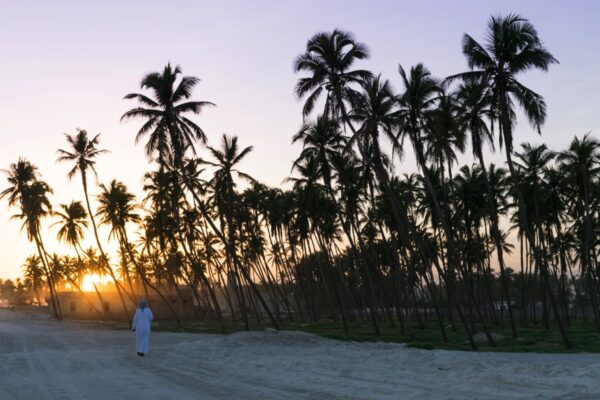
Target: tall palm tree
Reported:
[(27, 192), (328, 59), (167, 123), (116, 209), (227, 157), (475, 108), (82, 152), (377, 115), (173, 135), (580, 167), (72, 224), (416, 106), (513, 47), (323, 143)]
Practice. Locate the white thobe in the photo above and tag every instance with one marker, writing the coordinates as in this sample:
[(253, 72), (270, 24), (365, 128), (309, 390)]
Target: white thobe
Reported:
[(141, 325)]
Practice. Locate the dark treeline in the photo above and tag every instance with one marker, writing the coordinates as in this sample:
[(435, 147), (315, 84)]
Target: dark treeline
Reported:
[(350, 239)]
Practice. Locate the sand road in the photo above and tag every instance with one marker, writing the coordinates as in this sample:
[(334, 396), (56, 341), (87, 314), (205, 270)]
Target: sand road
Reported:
[(44, 359)]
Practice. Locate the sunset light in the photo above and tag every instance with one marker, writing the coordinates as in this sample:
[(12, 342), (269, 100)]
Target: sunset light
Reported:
[(316, 199), (100, 282)]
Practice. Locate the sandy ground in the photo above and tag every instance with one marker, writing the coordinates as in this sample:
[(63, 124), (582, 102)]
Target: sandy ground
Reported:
[(45, 359)]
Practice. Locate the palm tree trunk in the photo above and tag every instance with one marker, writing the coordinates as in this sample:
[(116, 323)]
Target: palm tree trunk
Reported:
[(225, 242), (453, 259), (498, 243), (56, 311), (536, 252), (405, 227), (140, 271), (102, 254)]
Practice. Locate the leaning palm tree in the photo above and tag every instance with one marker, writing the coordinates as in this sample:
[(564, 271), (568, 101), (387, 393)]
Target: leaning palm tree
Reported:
[(116, 209), (173, 136), (226, 159), (475, 108), (323, 143), (30, 195), (580, 167), (376, 113), (72, 223), (82, 152), (513, 47), (417, 107)]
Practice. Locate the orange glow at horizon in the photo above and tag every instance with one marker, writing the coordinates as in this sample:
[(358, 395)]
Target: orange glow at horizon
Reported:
[(88, 282)]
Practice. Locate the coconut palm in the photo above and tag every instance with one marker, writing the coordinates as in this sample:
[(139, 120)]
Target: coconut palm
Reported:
[(321, 140), (328, 60), (416, 106), (166, 112), (513, 47), (580, 168), (226, 159), (30, 194), (173, 135), (116, 209), (33, 274), (82, 152), (475, 108), (72, 222), (375, 109)]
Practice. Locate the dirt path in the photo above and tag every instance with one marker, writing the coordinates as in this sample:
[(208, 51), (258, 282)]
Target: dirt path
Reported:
[(45, 359)]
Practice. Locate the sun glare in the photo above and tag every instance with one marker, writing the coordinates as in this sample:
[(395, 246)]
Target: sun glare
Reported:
[(88, 282)]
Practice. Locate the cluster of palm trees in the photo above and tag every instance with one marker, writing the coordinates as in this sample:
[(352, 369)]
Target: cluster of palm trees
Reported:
[(349, 238)]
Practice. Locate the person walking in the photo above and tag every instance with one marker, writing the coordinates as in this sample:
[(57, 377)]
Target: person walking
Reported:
[(141, 327)]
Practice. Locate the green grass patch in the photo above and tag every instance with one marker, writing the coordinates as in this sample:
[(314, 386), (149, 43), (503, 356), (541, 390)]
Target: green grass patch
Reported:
[(531, 339)]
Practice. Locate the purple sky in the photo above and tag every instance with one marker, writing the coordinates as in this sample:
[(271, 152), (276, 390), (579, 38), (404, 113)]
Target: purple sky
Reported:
[(67, 64)]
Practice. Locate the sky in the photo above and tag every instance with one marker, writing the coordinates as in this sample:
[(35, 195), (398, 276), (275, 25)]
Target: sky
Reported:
[(67, 65)]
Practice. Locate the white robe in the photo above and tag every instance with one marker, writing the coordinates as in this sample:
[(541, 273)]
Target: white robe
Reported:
[(141, 326)]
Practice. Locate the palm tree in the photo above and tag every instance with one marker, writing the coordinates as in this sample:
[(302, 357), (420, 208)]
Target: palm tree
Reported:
[(443, 134), (322, 144), (227, 157), (321, 140), (33, 274), (73, 221), (417, 105), (83, 152), (173, 135), (580, 168), (513, 47), (328, 60), (30, 195), (475, 107), (117, 208), (311, 206), (533, 162), (170, 129)]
